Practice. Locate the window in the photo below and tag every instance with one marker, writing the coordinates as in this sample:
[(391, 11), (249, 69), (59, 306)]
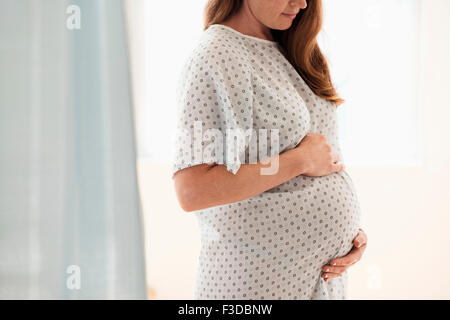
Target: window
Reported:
[(172, 30), (372, 50)]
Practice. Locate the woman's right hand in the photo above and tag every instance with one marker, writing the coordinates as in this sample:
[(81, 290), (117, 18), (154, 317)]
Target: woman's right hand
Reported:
[(314, 154)]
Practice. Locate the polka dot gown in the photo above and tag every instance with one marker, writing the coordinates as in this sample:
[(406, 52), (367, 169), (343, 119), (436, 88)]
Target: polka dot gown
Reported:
[(273, 245)]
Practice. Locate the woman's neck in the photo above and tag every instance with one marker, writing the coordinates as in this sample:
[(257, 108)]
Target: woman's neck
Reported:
[(245, 22)]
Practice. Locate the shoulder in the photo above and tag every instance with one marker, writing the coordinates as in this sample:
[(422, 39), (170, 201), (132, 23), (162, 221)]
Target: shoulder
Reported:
[(217, 52)]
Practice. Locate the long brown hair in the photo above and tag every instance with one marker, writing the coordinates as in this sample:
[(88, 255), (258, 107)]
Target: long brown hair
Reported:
[(299, 43)]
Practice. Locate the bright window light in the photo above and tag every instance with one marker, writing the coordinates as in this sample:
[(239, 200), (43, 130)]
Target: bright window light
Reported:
[(372, 51), (173, 29)]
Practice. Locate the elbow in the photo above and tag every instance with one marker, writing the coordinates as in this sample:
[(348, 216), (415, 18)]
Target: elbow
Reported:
[(186, 205), (190, 188), (187, 197)]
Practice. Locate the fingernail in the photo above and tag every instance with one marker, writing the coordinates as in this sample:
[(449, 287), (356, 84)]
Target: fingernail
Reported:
[(333, 264), (327, 269)]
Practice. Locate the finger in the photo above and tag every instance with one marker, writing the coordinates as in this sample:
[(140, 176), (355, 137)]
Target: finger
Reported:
[(338, 167), (333, 269), (328, 275), (353, 256), (335, 158), (360, 239)]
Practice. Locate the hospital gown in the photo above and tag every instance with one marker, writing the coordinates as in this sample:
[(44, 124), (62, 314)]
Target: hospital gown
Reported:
[(272, 245)]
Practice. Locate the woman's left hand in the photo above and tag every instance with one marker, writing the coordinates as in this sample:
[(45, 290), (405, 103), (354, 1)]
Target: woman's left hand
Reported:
[(337, 266)]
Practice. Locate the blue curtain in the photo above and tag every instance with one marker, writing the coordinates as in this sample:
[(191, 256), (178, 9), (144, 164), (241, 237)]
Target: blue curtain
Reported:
[(70, 213)]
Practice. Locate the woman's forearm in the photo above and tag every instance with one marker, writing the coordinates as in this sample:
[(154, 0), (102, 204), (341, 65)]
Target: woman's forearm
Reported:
[(217, 186)]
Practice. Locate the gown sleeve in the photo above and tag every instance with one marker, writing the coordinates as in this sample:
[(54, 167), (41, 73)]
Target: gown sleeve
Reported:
[(214, 110)]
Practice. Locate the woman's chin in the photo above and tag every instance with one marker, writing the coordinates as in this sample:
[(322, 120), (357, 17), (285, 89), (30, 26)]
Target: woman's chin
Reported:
[(283, 25)]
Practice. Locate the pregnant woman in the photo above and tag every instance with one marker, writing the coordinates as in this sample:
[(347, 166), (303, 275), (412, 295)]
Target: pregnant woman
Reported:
[(291, 233)]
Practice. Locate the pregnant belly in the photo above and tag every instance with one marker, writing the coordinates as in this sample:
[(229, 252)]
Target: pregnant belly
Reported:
[(304, 222), (326, 211)]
